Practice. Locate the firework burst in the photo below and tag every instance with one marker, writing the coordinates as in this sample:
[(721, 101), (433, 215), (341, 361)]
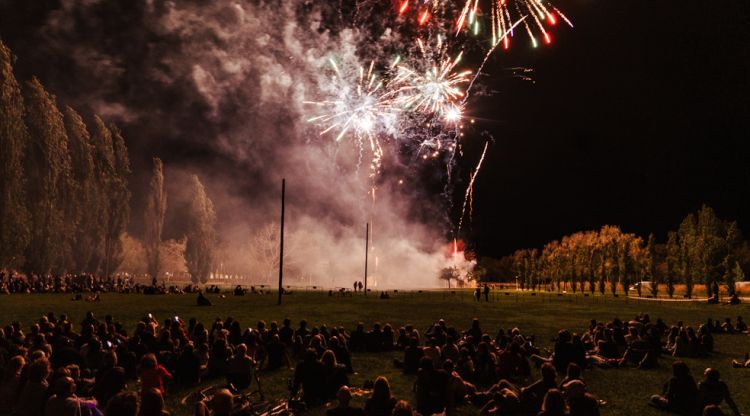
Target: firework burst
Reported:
[(537, 17), (436, 91)]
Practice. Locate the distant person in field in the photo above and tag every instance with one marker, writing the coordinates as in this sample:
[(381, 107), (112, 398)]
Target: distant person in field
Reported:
[(486, 292), (741, 325), (734, 299), (202, 300), (477, 294)]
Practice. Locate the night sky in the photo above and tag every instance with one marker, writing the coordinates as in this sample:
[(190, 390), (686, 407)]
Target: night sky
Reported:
[(635, 117)]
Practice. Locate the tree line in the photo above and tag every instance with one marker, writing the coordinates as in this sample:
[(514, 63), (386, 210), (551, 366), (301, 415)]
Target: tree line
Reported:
[(64, 190), (704, 250)]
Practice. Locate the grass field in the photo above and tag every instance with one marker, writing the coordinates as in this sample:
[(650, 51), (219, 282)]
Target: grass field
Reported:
[(625, 390)]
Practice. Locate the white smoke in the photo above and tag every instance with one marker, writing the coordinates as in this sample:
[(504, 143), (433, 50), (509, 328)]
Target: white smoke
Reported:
[(247, 66)]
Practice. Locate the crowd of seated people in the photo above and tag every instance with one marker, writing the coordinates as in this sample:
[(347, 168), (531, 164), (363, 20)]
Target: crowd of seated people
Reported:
[(11, 283), (53, 370)]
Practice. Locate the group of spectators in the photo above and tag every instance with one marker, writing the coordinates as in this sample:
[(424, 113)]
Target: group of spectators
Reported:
[(49, 369), (76, 283)]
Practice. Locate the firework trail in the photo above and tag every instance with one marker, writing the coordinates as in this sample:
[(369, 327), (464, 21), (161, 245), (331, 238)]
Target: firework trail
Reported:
[(469, 198)]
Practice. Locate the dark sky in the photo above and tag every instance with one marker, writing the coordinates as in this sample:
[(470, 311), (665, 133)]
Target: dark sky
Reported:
[(635, 117), (638, 116)]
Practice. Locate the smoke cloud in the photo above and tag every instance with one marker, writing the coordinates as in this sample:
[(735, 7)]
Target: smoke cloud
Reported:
[(216, 88)]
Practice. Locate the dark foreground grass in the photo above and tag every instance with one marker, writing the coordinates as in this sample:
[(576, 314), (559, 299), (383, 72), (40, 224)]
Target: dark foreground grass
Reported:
[(625, 390)]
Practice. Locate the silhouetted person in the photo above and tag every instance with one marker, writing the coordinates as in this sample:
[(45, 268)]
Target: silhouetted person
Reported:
[(310, 374), (202, 300), (344, 396)]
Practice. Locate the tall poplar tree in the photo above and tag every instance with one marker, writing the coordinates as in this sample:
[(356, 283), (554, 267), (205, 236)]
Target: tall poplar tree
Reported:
[(673, 261), (86, 192), (651, 265), (14, 216), (201, 235), (104, 171), (118, 202), (50, 184), (156, 208)]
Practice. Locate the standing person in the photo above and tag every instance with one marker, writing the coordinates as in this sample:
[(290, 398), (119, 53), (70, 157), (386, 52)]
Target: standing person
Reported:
[(477, 294), (355, 286), (361, 286), (486, 292)]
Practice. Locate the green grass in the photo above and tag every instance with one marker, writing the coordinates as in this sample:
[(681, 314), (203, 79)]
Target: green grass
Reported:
[(625, 390)]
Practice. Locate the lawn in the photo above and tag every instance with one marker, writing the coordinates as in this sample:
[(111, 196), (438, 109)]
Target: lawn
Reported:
[(625, 390)]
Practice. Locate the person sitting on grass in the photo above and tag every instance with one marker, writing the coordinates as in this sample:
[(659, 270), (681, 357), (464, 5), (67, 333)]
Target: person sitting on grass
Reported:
[(412, 355), (240, 368), (152, 374), (579, 401), (344, 396), (574, 373), (430, 388), (403, 408), (34, 392), (310, 375), (554, 404), (334, 375), (712, 410), (202, 300), (110, 380), (152, 404), (742, 364), (504, 403), (734, 299), (277, 354), (221, 404), (458, 389), (126, 403), (741, 325), (532, 396), (381, 402), (11, 383), (511, 364), (712, 391), (679, 392), (64, 402)]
